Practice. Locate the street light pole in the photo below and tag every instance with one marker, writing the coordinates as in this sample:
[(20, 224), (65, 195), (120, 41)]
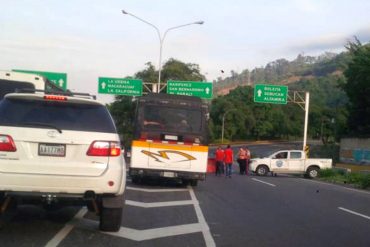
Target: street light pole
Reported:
[(223, 126), (161, 39)]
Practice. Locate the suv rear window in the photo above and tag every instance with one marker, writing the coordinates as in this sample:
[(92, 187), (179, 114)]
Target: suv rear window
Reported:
[(63, 115)]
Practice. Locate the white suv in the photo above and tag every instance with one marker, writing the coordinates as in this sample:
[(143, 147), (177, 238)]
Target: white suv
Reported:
[(62, 150)]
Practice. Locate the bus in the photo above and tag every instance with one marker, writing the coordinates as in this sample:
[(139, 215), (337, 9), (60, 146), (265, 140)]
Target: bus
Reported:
[(10, 81), (170, 138)]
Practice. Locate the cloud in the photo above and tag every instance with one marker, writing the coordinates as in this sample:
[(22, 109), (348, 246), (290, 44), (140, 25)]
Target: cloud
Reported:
[(329, 42), (363, 35), (307, 6)]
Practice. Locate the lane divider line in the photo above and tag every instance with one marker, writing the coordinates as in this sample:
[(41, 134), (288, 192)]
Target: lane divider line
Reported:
[(255, 179), (210, 242), (336, 185), (158, 204), (355, 213), (62, 234), (155, 190)]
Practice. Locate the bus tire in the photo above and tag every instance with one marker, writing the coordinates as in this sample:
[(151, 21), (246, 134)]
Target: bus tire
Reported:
[(185, 182), (135, 180), (194, 182)]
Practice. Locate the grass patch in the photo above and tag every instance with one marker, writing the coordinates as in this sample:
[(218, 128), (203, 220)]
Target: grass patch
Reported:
[(341, 176)]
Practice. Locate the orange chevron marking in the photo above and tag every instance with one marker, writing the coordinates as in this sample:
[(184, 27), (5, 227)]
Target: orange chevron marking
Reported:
[(163, 154)]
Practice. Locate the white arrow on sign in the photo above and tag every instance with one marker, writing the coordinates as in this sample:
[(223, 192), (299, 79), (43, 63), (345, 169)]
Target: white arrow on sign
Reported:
[(207, 90), (61, 82), (103, 85), (259, 93)]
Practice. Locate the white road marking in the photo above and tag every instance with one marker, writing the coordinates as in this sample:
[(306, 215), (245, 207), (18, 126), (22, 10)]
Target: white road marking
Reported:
[(158, 204), (62, 234), (155, 190), (210, 242), (336, 185), (148, 234), (142, 235), (355, 213), (255, 179)]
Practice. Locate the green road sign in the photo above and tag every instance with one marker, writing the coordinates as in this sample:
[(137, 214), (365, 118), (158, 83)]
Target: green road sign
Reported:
[(120, 86), (200, 89), (59, 79), (270, 94)]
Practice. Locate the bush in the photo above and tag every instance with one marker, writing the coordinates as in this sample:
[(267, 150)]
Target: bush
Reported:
[(365, 181), (354, 178), (341, 176), (324, 173)]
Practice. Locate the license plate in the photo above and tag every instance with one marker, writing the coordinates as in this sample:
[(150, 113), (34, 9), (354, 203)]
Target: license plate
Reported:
[(48, 149), (168, 174)]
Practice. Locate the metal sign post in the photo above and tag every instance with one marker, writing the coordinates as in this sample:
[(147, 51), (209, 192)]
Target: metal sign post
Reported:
[(304, 103)]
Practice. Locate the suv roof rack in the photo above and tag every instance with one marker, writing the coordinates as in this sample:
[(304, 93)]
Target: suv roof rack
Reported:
[(65, 93)]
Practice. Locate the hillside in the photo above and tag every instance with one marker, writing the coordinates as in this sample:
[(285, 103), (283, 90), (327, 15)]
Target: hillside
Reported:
[(284, 72)]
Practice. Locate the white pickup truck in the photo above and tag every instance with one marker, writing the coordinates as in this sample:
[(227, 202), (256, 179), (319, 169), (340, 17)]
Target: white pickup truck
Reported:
[(289, 161)]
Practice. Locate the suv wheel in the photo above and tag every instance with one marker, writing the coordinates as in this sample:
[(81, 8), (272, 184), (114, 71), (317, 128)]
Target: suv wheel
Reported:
[(110, 219)]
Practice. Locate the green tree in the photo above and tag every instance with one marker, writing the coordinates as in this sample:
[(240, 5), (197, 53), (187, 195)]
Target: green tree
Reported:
[(176, 70), (149, 74), (123, 108), (358, 88), (122, 111)]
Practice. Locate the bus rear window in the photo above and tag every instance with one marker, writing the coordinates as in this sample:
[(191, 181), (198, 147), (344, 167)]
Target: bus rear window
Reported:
[(7, 86), (171, 119)]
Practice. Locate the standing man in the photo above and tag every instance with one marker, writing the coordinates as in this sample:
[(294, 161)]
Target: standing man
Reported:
[(228, 161), (242, 160), (248, 157), (219, 155)]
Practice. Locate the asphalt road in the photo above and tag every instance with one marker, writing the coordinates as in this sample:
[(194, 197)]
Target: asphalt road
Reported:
[(241, 211), (283, 211)]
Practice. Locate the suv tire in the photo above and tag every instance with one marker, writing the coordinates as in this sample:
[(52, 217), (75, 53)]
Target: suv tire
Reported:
[(110, 219)]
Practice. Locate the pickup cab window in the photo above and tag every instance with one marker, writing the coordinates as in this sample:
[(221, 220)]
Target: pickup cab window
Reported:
[(281, 155), (295, 155)]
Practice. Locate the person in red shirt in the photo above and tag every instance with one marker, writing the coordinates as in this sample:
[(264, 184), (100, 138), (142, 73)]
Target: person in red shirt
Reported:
[(228, 160), (219, 155)]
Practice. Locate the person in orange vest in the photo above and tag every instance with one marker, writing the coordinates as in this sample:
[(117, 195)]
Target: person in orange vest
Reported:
[(228, 161), (248, 158), (242, 161), (219, 155)]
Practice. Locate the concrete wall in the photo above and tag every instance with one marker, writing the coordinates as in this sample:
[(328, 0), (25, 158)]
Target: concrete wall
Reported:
[(355, 151)]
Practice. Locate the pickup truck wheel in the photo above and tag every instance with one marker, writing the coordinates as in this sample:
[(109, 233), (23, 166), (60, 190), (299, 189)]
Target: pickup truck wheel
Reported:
[(313, 172), (110, 219), (262, 170)]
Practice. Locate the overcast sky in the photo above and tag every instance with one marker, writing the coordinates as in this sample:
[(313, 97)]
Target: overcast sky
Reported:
[(88, 39)]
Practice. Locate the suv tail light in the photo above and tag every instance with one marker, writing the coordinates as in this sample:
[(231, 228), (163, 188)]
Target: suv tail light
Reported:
[(104, 148), (55, 97), (7, 144)]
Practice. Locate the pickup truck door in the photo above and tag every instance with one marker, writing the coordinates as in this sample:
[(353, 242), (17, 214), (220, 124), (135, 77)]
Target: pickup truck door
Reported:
[(296, 161), (279, 162)]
